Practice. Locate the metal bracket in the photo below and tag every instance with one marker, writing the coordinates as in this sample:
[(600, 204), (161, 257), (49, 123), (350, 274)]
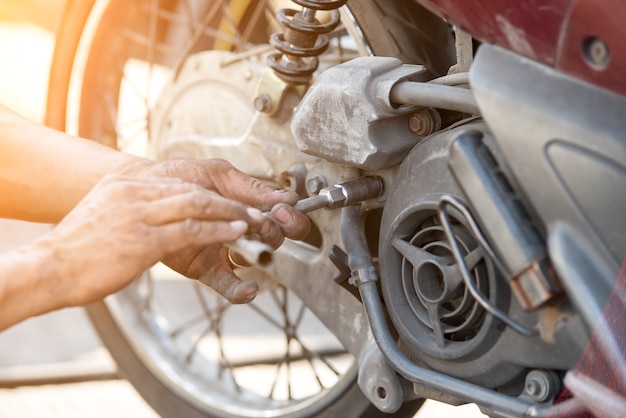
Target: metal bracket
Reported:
[(271, 91), (378, 381)]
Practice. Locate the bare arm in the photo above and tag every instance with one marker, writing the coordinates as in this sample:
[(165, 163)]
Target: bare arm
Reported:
[(123, 226), (44, 173)]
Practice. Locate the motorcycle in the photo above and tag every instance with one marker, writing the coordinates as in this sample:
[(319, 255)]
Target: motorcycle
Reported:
[(472, 160)]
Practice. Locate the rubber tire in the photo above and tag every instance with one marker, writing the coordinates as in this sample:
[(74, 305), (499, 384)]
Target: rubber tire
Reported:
[(391, 31)]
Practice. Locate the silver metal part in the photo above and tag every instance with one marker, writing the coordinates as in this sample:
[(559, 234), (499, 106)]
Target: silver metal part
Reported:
[(542, 385), (378, 381), (312, 203), (339, 195), (347, 117), (344, 194), (435, 95), (253, 251), (365, 274)]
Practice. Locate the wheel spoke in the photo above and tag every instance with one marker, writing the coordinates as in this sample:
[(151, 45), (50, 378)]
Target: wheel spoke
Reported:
[(128, 81), (259, 8), (196, 36), (225, 365), (265, 315), (190, 323), (143, 40), (188, 10), (310, 355), (152, 35)]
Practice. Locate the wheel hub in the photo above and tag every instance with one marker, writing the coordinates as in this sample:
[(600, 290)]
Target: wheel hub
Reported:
[(206, 110)]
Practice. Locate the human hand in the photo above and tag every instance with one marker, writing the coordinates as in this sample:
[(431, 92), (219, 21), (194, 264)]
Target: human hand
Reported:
[(210, 264), (126, 224), (222, 177)]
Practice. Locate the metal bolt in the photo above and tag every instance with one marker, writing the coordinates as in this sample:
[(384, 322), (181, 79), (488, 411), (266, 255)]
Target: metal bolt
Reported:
[(533, 388), (263, 103), (315, 184), (596, 52), (541, 385), (424, 122)]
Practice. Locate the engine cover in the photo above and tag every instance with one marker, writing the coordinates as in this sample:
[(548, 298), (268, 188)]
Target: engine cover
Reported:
[(441, 325)]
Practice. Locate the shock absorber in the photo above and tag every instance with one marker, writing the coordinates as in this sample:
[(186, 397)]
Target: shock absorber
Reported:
[(305, 38)]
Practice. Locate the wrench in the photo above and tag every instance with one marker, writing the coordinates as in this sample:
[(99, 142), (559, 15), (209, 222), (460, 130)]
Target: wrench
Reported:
[(332, 197)]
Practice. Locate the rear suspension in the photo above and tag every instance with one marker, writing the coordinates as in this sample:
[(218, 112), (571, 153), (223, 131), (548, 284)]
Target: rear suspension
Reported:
[(304, 39)]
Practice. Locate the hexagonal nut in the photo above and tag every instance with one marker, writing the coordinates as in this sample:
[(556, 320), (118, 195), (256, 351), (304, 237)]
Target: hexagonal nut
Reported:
[(335, 195)]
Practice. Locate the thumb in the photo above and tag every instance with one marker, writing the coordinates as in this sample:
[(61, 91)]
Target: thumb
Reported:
[(226, 283)]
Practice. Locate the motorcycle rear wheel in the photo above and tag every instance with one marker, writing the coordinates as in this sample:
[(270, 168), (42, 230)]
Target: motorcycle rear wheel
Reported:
[(98, 42)]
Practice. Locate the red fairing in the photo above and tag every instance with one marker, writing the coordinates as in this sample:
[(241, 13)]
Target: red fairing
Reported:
[(573, 36)]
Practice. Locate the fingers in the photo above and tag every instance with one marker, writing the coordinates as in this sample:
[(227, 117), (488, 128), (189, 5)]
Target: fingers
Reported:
[(230, 286), (196, 204), (293, 223), (234, 184), (210, 266), (179, 216), (142, 188), (187, 213), (176, 236), (283, 221)]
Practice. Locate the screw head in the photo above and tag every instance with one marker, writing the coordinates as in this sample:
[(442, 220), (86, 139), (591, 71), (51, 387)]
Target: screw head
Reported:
[(424, 122), (416, 124), (533, 388), (315, 184), (263, 103), (596, 52), (541, 385)]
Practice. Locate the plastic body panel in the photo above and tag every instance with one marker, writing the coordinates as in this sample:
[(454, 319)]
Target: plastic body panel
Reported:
[(563, 141), (554, 32)]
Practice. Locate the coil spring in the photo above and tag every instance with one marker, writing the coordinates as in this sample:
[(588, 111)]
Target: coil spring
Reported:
[(305, 38)]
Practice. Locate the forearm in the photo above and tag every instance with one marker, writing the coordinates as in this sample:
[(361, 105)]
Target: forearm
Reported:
[(27, 286), (44, 173)]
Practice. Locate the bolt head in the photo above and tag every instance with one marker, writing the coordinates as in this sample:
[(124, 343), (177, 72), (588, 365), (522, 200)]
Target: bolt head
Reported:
[(596, 52), (416, 124), (533, 388), (315, 184), (424, 122), (263, 103)]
